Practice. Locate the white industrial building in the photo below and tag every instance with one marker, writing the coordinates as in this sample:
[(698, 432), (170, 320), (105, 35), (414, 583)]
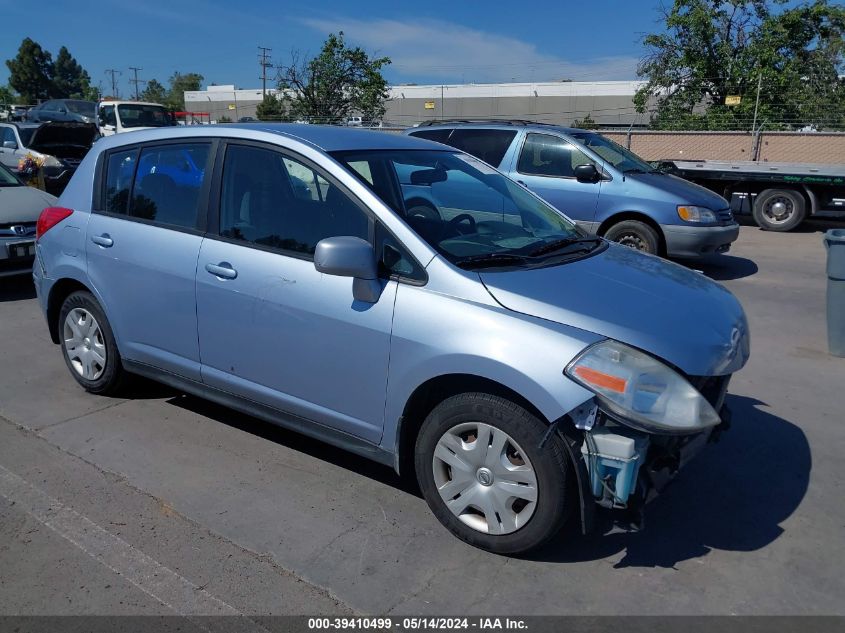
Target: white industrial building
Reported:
[(608, 103)]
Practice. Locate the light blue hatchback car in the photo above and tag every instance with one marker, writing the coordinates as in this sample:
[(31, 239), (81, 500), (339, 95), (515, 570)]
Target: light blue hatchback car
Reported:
[(517, 366), (606, 189)]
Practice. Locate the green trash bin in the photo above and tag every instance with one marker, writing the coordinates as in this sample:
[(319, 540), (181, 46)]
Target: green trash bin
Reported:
[(834, 242)]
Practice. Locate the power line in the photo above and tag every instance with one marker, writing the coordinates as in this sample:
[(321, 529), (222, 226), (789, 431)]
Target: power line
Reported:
[(136, 81), (113, 72), (264, 62)]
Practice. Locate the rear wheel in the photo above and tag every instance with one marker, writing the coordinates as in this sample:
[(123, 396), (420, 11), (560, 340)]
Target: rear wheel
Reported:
[(88, 345), (779, 209), (635, 234), (483, 475)]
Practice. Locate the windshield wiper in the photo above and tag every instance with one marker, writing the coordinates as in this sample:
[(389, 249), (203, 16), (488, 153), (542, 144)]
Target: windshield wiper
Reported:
[(566, 242), (493, 259), (638, 170)]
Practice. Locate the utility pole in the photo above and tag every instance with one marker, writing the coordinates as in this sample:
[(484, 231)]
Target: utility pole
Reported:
[(754, 146), (113, 72), (264, 62), (136, 81)]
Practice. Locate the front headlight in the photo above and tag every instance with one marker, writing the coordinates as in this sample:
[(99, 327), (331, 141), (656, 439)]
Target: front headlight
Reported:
[(700, 215), (640, 390), (51, 161)]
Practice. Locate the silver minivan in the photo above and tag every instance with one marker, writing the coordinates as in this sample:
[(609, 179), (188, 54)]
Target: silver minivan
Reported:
[(520, 369)]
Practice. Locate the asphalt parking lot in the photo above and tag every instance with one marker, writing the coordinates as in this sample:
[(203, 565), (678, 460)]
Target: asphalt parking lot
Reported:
[(164, 503)]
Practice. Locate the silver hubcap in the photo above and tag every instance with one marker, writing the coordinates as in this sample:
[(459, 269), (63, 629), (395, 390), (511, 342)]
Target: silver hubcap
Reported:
[(778, 209), (84, 344), (484, 478)]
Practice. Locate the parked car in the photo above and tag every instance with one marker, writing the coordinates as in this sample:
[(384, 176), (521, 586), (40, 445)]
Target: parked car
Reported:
[(124, 116), (605, 188), (354, 121), (520, 368), (74, 110), (18, 113), (20, 207), (60, 145), (247, 119)]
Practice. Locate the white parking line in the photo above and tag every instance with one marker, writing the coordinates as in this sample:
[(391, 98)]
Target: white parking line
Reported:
[(157, 581)]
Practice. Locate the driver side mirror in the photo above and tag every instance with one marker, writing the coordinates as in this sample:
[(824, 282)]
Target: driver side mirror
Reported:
[(10, 145), (346, 256), (587, 173)]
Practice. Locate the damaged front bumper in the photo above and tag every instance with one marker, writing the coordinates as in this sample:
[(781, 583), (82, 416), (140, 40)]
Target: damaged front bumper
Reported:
[(620, 470)]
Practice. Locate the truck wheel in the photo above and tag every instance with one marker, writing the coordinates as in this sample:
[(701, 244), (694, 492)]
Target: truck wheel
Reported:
[(635, 234), (779, 209), (483, 474)]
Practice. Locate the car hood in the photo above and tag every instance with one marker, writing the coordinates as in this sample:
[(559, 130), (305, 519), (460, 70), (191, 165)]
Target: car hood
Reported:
[(684, 191), (660, 307), (23, 204), (51, 136)]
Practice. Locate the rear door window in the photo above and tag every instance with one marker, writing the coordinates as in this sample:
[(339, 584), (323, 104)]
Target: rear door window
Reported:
[(167, 184)]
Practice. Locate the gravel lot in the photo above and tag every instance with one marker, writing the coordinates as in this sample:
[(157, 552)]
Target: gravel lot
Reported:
[(164, 503)]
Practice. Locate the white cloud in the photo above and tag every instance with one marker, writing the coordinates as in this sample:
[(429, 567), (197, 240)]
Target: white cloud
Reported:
[(447, 51)]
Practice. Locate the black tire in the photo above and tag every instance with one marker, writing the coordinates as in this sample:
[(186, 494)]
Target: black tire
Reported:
[(550, 466), (779, 209), (112, 376), (635, 234)]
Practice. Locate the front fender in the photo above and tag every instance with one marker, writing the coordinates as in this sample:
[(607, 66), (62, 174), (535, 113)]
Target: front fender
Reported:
[(438, 335)]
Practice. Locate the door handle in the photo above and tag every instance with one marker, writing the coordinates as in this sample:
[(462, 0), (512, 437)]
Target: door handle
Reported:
[(103, 240), (223, 270), (522, 183)]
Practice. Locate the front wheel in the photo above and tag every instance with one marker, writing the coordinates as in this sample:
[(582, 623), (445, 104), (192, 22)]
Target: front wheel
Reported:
[(484, 476), (635, 234)]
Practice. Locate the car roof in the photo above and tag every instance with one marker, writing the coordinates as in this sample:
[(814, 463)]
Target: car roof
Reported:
[(498, 125), (323, 137)]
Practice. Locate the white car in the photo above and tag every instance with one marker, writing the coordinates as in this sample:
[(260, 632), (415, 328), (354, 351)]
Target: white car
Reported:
[(125, 116), (60, 145)]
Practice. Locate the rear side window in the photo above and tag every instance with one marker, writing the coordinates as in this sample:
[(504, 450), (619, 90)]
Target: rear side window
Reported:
[(120, 167), (488, 145), (440, 136), (168, 183)]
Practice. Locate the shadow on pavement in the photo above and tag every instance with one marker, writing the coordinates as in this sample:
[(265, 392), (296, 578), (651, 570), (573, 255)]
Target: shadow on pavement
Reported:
[(723, 267), (733, 497), (296, 441), (16, 288)]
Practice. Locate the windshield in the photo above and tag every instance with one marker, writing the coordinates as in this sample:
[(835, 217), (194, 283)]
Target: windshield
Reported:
[(623, 159), (138, 115), (465, 209), (7, 179), (26, 135), (85, 108)]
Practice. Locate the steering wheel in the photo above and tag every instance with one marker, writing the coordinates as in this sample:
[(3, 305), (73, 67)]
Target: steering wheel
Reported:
[(461, 218)]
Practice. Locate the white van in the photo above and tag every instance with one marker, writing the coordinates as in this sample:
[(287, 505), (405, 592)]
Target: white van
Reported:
[(125, 116)]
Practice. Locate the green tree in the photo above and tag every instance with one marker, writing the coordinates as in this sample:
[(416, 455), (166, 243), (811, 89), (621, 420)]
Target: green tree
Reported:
[(715, 48), (7, 96), (70, 80), (31, 72), (335, 83), (154, 92), (272, 108), (179, 84)]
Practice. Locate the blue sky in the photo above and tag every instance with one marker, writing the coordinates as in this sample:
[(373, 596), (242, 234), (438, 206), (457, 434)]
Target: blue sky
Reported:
[(429, 41)]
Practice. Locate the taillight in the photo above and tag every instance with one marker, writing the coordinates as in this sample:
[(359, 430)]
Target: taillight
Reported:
[(49, 218)]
